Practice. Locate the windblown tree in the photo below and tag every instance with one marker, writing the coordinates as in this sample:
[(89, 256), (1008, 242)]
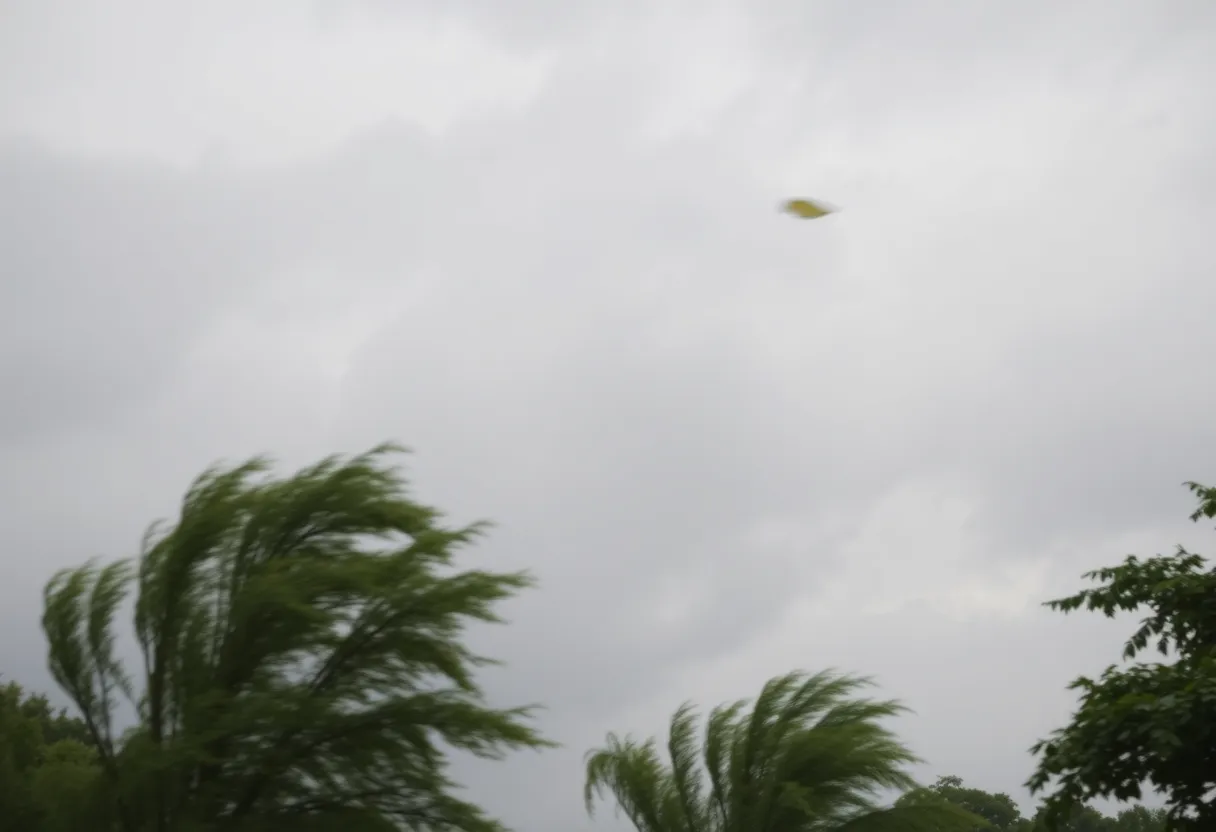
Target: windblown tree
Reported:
[(810, 756), (1150, 722), (302, 658)]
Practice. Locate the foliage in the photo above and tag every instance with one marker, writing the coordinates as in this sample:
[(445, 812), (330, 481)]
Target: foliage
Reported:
[(996, 811), (999, 813), (1150, 722), (1073, 819), (809, 756), (1140, 819), (304, 669), (302, 661), (48, 779), (1089, 819)]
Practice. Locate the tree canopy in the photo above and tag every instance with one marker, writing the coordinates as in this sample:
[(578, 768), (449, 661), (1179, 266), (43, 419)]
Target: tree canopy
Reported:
[(48, 772), (992, 811), (998, 812), (809, 755), (302, 658), (1151, 722), (299, 663)]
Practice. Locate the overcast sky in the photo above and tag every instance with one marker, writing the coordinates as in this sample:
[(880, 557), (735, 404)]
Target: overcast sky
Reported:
[(537, 241)]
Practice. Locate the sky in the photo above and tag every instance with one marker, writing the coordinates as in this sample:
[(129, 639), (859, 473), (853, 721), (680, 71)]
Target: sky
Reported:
[(538, 243)]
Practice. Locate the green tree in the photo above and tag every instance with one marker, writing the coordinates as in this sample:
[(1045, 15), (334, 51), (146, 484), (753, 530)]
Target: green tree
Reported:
[(1149, 722), (54, 725), (997, 811), (20, 749), (68, 789), (1073, 819), (1140, 819), (48, 781), (809, 756), (302, 658)]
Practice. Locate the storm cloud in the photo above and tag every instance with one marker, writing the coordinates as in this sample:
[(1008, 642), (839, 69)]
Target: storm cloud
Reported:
[(537, 243)]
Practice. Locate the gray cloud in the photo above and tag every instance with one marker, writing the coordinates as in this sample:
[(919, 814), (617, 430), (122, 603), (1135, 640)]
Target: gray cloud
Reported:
[(729, 444)]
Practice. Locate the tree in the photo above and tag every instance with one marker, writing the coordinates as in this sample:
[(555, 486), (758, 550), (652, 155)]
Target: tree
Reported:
[(996, 811), (999, 813), (68, 790), (808, 756), (1139, 819), (20, 749), (302, 660), (1074, 819), (48, 780), (54, 725), (1150, 722)]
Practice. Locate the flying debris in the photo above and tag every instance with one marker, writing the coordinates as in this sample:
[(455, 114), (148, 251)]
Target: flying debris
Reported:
[(807, 209)]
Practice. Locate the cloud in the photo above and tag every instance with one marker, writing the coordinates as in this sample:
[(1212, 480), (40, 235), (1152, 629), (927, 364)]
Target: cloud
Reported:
[(543, 250), (243, 82), (111, 269)]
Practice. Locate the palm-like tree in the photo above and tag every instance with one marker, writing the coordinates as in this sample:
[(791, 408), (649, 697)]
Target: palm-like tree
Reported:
[(809, 757), (303, 660)]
